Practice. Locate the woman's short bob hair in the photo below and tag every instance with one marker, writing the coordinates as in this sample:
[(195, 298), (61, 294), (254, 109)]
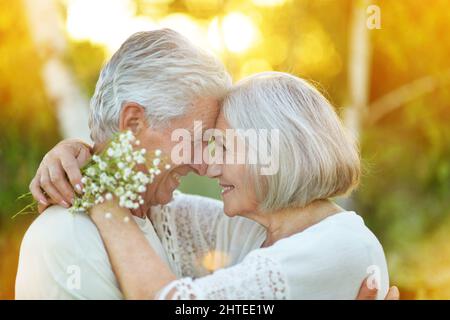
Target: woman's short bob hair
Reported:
[(318, 158)]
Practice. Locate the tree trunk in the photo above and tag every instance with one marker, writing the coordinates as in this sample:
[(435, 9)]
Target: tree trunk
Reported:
[(47, 30), (358, 74), (358, 68)]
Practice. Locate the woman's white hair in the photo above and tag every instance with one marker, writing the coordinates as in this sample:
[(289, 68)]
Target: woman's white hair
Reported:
[(160, 70), (318, 158)]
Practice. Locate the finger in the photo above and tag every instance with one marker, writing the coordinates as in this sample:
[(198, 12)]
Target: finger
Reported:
[(37, 192), (60, 182), (84, 155), (366, 293), (393, 294), (70, 166), (41, 207), (47, 186)]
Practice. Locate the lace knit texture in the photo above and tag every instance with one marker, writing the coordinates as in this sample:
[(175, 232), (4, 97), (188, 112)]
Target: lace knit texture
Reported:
[(187, 232), (257, 277)]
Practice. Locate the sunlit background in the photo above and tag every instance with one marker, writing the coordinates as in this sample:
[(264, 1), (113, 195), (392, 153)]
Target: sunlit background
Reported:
[(389, 85)]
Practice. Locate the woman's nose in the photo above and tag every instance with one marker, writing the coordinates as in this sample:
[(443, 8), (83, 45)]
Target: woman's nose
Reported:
[(214, 170)]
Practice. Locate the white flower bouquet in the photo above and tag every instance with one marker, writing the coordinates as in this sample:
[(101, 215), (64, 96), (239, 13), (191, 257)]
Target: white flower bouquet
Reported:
[(114, 173)]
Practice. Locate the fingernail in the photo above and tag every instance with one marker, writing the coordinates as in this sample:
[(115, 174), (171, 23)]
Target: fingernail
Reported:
[(78, 187), (396, 291), (64, 204), (43, 202)]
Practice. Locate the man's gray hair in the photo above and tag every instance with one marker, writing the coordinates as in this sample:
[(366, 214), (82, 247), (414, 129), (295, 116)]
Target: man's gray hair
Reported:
[(318, 158), (162, 71)]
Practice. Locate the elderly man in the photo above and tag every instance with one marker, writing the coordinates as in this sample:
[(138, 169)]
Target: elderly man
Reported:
[(156, 82)]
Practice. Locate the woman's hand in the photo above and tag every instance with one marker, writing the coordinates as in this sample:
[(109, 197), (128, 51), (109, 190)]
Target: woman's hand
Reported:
[(59, 174), (365, 293)]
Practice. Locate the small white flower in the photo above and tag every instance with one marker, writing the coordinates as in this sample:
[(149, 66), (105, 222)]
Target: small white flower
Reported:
[(156, 162), (129, 204), (129, 135), (167, 166), (158, 152), (102, 165), (139, 159), (108, 196), (90, 171), (108, 215)]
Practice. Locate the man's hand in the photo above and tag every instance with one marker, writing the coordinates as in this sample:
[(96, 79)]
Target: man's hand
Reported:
[(365, 293), (59, 174)]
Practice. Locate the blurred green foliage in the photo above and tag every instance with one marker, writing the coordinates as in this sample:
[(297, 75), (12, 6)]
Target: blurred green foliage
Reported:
[(28, 128), (406, 186), (405, 194), (28, 122)]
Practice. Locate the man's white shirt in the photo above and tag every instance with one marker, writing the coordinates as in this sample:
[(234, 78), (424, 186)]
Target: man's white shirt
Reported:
[(213, 256)]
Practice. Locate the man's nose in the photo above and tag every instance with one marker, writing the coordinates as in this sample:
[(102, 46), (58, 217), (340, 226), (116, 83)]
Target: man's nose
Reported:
[(200, 169)]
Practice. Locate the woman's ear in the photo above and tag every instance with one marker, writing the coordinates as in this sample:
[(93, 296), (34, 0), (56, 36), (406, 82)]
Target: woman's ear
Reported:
[(132, 117)]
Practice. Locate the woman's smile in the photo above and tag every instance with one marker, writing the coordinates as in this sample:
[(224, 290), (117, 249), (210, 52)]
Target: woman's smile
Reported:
[(226, 188)]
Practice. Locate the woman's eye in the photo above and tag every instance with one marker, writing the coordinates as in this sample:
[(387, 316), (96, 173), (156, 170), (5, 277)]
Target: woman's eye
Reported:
[(212, 146)]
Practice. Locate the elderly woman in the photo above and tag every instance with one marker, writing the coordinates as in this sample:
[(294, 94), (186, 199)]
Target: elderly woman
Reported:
[(282, 236)]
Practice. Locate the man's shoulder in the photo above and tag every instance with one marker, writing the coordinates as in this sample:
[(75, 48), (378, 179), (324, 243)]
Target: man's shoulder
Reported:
[(58, 228), (58, 247), (57, 216)]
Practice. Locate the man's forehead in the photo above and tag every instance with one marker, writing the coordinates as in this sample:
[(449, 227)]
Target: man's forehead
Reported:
[(206, 111), (201, 115)]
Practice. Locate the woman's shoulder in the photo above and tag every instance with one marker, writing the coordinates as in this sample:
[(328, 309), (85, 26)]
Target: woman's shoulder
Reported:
[(330, 259), (344, 229), (339, 242)]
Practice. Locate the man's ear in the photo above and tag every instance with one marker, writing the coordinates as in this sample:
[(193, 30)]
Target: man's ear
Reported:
[(132, 117)]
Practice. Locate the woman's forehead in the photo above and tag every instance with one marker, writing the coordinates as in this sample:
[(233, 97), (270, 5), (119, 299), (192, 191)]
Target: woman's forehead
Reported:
[(221, 122)]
